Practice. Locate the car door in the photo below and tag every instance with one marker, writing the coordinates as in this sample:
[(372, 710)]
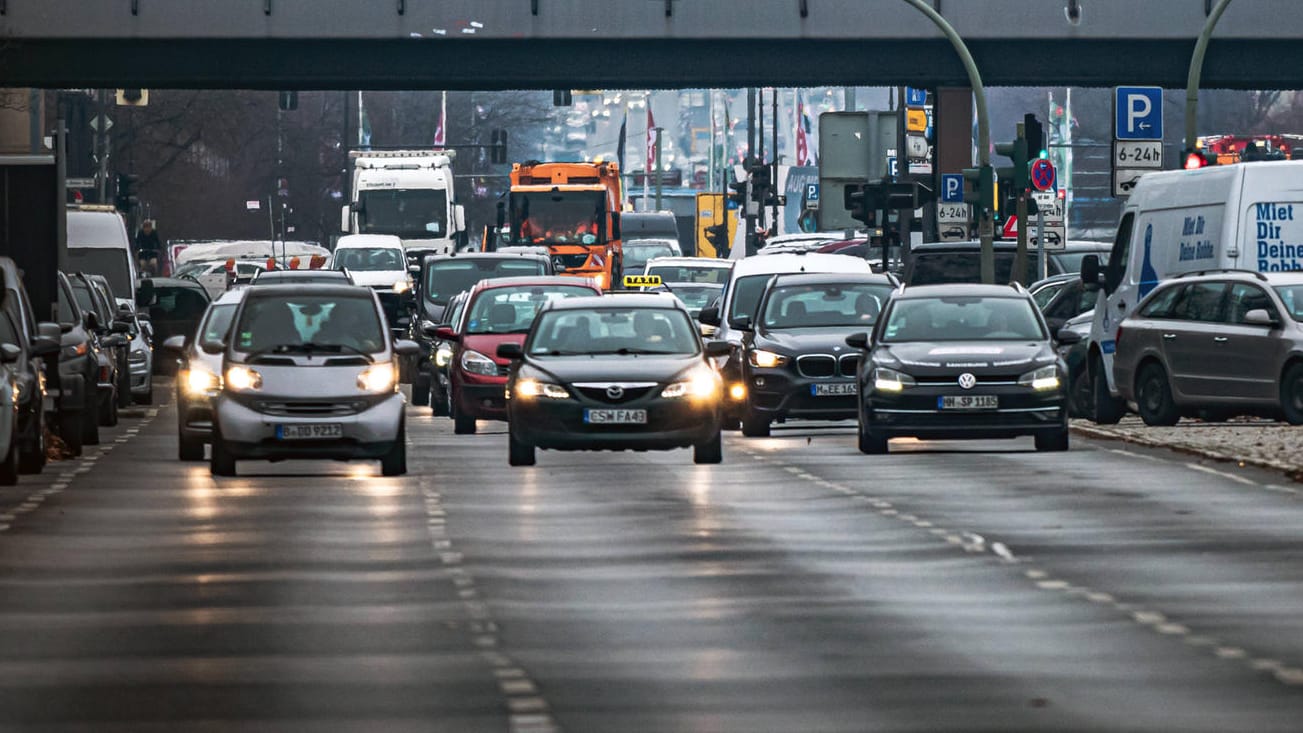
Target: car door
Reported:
[(1189, 340), (1248, 356)]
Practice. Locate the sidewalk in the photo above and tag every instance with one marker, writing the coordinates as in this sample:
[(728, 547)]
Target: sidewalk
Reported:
[(1265, 443)]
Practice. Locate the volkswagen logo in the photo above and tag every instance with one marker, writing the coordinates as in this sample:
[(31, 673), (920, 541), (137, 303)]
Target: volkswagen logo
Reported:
[(615, 391), (967, 381)]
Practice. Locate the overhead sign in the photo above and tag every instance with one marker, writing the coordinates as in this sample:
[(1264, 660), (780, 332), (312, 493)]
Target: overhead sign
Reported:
[(1043, 174), (915, 97), (1146, 154), (916, 119), (952, 188), (1138, 113)]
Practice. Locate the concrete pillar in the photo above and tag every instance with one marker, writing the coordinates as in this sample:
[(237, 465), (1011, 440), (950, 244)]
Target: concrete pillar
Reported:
[(21, 125)]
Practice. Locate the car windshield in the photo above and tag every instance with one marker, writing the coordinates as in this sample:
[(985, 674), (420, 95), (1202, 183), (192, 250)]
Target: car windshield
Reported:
[(370, 259), (824, 305), (106, 261), (1292, 296), (1071, 261), (747, 292), (694, 297), (407, 213), (512, 309), (962, 318), (84, 299), (177, 304), (965, 267), (446, 278), (635, 254), (563, 217), (310, 323), (623, 331), (689, 273), (216, 327), (299, 277)]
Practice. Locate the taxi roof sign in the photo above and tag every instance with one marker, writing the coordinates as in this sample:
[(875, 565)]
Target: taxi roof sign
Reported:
[(642, 281)]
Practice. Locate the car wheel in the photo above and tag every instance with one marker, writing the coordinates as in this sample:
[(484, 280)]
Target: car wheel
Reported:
[(1291, 394), (70, 430), (710, 452), (9, 466), (189, 449), (1154, 397), (420, 390), (519, 453), (462, 425), (394, 463), (1080, 395), (221, 463), (438, 401), (871, 443), (1108, 409), (124, 390), (754, 425), (32, 460), (1052, 442)]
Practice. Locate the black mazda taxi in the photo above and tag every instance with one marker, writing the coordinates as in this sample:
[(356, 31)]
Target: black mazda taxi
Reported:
[(796, 362), (958, 362), (615, 372)]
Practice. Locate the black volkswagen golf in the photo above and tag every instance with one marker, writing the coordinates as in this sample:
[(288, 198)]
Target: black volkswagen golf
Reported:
[(616, 372), (961, 361), (797, 363)]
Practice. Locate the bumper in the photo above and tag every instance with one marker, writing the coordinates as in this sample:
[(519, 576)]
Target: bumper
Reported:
[(194, 417), (778, 395), (559, 425), (248, 433), (140, 378), (482, 401), (914, 413)]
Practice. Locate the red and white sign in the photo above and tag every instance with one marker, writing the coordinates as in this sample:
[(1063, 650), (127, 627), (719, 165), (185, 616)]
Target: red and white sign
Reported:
[(1010, 228), (652, 163)]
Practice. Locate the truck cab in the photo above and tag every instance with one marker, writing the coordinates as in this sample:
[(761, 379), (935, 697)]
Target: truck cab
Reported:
[(408, 194), (573, 209)]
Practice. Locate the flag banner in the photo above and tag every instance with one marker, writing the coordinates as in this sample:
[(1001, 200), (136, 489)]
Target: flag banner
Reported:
[(619, 145), (440, 135)]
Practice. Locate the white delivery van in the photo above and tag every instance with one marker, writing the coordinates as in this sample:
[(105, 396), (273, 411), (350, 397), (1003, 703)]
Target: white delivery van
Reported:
[(376, 261), (98, 243), (1247, 216)]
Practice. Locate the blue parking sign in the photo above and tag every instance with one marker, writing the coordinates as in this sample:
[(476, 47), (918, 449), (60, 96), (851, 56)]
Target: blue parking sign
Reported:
[(915, 97), (1138, 113), (952, 188)]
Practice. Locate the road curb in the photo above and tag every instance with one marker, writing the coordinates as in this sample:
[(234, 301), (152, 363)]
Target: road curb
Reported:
[(1292, 471)]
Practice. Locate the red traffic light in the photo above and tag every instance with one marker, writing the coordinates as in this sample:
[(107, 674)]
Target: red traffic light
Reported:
[(1195, 159)]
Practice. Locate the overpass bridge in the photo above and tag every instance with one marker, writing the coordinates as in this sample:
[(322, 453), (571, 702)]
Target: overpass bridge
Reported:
[(541, 44)]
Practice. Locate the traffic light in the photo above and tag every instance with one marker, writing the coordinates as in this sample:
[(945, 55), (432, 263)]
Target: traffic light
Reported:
[(860, 201), (126, 198), (498, 146), (1016, 151), (717, 235), (1195, 159), (289, 101), (761, 183), (1035, 135), (981, 194), (738, 193)]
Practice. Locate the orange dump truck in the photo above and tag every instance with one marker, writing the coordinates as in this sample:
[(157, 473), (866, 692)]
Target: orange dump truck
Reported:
[(573, 209)]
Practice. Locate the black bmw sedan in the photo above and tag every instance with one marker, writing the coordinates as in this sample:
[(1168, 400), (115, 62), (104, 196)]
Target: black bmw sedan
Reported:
[(617, 372), (797, 363), (961, 361)]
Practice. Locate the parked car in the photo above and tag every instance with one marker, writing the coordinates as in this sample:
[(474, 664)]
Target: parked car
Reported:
[(689, 269), (198, 374), (140, 354), (10, 368), (118, 324), (301, 277), (98, 243), (77, 407), (960, 362), (1062, 298), (99, 322), (175, 307), (636, 253), (214, 276), (36, 348), (1226, 342), (439, 398)]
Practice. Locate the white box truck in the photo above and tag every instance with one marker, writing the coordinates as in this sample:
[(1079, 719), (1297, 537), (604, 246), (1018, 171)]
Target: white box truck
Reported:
[(1247, 216), (408, 194)]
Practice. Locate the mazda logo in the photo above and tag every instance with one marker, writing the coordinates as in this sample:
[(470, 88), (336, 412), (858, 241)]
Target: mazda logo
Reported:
[(967, 381), (615, 391)]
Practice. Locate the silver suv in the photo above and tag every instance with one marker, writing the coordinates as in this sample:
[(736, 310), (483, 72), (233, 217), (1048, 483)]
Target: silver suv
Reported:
[(309, 372), (1215, 344)]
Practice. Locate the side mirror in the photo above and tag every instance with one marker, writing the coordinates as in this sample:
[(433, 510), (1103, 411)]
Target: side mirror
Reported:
[(459, 218), (145, 293), (42, 346), (718, 348), (144, 317), (91, 321), (1055, 323), (709, 316), (345, 218), (743, 323), (49, 330), (858, 341), (445, 333), (10, 353), (615, 225), (1260, 317), (512, 351), (120, 327), (1090, 275), (414, 269), (174, 344), (1067, 337), (114, 341), (406, 347)]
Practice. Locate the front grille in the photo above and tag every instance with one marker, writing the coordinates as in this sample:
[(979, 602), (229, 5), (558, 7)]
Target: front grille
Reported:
[(311, 409), (816, 366), (987, 379), (848, 365), (566, 262), (599, 394)]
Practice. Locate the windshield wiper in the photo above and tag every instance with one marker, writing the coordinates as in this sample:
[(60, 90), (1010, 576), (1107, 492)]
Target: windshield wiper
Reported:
[(631, 351), (311, 348)]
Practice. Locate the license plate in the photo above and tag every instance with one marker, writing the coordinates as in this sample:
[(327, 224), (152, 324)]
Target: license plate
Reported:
[(615, 417), (837, 389), (968, 402), (314, 431)]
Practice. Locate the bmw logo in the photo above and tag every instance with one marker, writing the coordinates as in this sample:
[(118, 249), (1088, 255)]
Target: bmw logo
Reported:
[(967, 381)]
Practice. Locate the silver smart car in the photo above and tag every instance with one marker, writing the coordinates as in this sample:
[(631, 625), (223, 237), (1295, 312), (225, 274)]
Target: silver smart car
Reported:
[(309, 371)]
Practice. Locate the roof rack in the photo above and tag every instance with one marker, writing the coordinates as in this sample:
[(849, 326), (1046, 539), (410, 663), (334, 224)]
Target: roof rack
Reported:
[(1224, 271)]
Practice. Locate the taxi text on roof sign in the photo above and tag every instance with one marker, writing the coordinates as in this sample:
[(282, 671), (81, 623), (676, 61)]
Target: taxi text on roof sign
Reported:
[(642, 281)]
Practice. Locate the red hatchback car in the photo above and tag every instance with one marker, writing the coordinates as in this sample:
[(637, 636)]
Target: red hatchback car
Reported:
[(498, 311)]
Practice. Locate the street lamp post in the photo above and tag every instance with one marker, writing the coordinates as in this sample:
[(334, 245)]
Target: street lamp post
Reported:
[(1196, 71)]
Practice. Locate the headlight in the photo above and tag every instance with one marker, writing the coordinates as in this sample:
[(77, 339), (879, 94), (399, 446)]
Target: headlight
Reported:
[(531, 388), (201, 380), (737, 392), (72, 352), (477, 363), (700, 384), (765, 359), (601, 280), (378, 378), (1041, 380), (890, 380), (402, 286), (243, 379), (442, 355)]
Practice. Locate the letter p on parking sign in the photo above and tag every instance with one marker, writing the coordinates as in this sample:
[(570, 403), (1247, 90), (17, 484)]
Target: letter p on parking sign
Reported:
[(1138, 113)]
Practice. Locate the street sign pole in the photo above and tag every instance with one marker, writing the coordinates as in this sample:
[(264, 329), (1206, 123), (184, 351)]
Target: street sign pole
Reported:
[(1040, 243)]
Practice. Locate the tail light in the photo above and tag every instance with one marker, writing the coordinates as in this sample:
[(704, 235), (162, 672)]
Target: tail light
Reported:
[(104, 374)]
